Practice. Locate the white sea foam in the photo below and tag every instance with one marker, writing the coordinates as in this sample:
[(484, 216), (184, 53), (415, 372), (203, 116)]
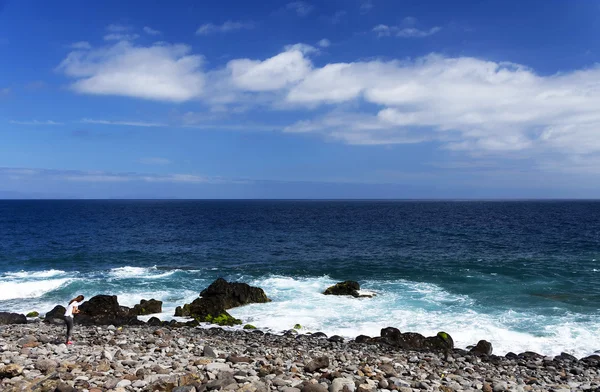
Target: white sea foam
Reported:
[(29, 289), (35, 274), (415, 307), (128, 272)]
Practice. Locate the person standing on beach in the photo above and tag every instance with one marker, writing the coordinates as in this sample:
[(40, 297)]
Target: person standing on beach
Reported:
[(72, 309)]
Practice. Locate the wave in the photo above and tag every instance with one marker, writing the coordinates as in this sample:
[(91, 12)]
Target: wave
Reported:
[(416, 307), (35, 274), (128, 272), (30, 289)]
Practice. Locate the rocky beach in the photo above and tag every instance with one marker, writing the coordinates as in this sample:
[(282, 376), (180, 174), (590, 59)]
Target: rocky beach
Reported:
[(115, 351), (183, 359)]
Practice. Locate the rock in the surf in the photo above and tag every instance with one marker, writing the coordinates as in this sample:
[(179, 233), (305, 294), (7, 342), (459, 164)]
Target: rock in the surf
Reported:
[(348, 287), (220, 296), (482, 347), (105, 310), (12, 318), (147, 307)]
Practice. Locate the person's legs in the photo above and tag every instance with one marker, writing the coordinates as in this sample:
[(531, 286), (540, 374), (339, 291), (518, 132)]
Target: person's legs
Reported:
[(69, 322)]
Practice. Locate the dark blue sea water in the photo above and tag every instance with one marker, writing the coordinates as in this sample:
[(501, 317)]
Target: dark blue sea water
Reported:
[(523, 274)]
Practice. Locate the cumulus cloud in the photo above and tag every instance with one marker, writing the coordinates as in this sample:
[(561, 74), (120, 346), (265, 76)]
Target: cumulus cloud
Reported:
[(275, 73), (151, 31), (301, 8), (163, 72), (462, 103), (228, 26)]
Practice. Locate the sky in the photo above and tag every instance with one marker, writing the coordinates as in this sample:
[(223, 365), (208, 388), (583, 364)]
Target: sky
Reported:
[(300, 99)]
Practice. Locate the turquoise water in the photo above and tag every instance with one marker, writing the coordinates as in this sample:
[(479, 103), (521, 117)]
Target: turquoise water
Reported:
[(524, 275)]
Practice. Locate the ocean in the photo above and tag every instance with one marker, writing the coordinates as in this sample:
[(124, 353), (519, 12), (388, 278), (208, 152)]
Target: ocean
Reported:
[(523, 275)]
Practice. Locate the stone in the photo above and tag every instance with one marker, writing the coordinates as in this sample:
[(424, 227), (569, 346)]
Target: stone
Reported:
[(348, 287), (216, 367), (123, 383), (220, 296), (342, 385), (209, 352), (150, 306), (56, 315), (7, 318), (316, 364), (185, 388), (483, 347), (46, 365), (105, 310), (314, 388), (10, 370), (64, 387)]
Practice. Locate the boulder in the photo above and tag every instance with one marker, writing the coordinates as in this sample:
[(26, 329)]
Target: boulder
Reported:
[(154, 321), (348, 287), (56, 315), (412, 341), (147, 307), (220, 296), (105, 310), (12, 318), (482, 347)]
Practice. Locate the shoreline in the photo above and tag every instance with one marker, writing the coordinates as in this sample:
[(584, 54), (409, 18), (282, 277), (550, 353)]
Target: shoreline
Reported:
[(144, 358)]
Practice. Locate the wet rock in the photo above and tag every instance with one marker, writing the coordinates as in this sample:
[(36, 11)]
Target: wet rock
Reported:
[(220, 296), (147, 307), (348, 287), (482, 347)]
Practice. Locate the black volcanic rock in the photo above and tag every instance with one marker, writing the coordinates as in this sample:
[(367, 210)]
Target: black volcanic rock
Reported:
[(105, 310), (12, 318), (147, 307), (218, 297)]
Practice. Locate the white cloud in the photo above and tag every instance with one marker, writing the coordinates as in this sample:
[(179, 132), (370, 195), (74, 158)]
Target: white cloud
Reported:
[(128, 123), (275, 73), (83, 45), (155, 161), (162, 72), (35, 122), (151, 31), (121, 37), (465, 104), (228, 26), (324, 43), (404, 32), (301, 8)]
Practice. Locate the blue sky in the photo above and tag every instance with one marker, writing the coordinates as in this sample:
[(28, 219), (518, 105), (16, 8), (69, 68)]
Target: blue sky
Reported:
[(300, 99)]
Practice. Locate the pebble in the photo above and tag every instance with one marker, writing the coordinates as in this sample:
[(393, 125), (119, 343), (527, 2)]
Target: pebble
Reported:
[(145, 358)]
